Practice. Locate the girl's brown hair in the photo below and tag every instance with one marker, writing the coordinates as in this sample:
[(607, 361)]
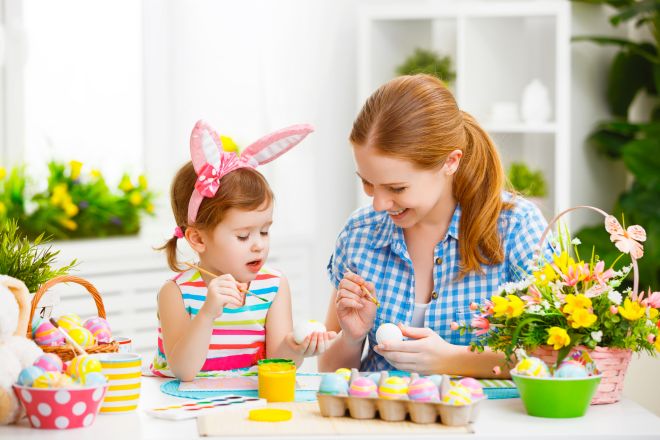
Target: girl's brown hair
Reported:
[(416, 118), (244, 188)]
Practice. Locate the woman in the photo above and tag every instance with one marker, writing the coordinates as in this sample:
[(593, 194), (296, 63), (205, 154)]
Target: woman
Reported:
[(441, 234)]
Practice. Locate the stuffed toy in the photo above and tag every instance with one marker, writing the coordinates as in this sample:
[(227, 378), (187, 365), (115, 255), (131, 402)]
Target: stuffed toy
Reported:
[(16, 351)]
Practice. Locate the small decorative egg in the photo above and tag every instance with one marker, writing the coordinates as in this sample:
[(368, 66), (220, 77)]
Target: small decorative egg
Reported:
[(82, 336), (345, 373), (475, 387), (333, 384), (28, 375), (49, 362), (47, 335), (304, 329), (533, 367), (99, 328), (388, 332), (374, 376), (94, 379), (393, 388), (457, 395), (36, 322), (81, 365), (571, 368), (49, 379), (69, 321), (65, 381), (436, 379), (423, 390), (363, 387)]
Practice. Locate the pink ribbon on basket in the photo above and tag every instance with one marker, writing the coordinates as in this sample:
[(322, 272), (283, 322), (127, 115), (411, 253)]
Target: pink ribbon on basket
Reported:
[(212, 163)]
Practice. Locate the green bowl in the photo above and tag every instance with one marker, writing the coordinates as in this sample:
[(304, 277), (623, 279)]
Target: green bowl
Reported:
[(557, 398)]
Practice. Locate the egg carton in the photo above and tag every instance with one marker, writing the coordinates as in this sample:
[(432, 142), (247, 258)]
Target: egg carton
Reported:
[(333, 405)]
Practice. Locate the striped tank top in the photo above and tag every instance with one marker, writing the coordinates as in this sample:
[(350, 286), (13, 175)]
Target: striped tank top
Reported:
[(239, 335)]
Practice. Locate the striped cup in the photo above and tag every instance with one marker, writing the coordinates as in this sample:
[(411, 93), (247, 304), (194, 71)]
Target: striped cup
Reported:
[(124, 373)]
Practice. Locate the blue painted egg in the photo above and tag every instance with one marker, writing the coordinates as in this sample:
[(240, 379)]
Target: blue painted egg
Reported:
[(572, 369), (333, 384), (28, 375)]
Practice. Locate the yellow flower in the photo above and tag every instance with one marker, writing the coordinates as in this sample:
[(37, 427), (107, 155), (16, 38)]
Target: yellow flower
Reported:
[(511, 306), (657, 344), (75, 169), (70, 209), (150, 208), (69, 224), (563, 261), (545, 275), (228, 144), (125, 184), (3, 173), (3, 209), (558, 337), (60, 194), (582, 318), (143, 181), (95, 173), (500, 305), (576, 302), (653, 312), (631, 310), (135, 198)]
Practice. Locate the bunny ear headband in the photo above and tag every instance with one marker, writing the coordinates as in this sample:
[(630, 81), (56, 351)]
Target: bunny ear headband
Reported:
[(211, 163)]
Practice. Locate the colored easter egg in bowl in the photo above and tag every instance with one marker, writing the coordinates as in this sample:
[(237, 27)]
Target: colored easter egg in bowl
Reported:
[(423, 390), (571, 368), (49, 379), (333, 384), (532, 367), (388, 332), (47, 335), (363, 387), (81, 365), (28, 375), (94, 379), (49, 362)]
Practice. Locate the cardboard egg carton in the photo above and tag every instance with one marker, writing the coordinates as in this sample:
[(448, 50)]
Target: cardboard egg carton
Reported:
[(332, 405)]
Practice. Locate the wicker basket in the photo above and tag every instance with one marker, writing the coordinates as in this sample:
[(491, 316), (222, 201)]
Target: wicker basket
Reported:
[(67, 352)]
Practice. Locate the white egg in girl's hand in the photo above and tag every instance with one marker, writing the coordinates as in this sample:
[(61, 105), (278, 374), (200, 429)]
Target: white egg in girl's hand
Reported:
[(388, 332), (304, 329)]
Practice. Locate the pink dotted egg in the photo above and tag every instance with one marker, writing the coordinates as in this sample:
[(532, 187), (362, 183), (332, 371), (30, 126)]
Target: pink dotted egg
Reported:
[(423, 390), (49, 362), (363, 387), (99, 328), (47, 335), (475, 387)]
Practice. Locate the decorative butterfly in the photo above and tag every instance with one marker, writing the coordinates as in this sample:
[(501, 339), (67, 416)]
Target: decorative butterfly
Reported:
[(626, 240)]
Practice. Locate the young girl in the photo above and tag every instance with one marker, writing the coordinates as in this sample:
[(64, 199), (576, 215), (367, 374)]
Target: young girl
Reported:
[(224, 208), (442, 233)]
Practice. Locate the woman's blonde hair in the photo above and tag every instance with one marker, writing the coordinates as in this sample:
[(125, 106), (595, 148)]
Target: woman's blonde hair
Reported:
[(416, 118), (244, 188)]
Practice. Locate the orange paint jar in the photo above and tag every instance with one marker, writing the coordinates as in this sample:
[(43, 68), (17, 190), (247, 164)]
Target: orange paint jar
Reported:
[(277, 380)]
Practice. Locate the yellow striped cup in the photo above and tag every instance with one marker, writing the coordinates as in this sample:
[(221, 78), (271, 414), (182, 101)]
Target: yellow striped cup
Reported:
[(124, 373)]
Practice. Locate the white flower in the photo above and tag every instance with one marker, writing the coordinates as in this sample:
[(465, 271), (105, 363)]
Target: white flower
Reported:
[(534, 308), (545, 304), (597, 336), (576, 242), (557, 305), (614, 296)]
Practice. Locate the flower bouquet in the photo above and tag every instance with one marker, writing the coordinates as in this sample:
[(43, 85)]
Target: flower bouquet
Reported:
[(571, 299)]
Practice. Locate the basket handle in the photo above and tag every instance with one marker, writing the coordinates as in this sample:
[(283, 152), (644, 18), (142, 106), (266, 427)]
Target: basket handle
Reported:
[(604, 214), (65, 279)]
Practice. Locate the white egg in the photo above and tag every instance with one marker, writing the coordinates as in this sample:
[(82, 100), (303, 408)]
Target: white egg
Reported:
[(388, 332), (304, 329)]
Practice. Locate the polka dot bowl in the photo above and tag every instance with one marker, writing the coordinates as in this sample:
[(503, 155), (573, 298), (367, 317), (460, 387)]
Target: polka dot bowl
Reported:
[(61, 408)]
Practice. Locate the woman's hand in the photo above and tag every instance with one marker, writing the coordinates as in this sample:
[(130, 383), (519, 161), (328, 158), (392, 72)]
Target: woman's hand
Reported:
[(313, 345), (355, 311), (425, 352), (223, 291)]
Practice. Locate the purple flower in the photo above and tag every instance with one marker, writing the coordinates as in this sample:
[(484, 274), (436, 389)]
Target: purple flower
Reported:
[(83, 204), (115, 221)]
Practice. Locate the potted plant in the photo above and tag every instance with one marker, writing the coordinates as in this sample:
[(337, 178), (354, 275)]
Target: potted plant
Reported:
[(573, 299), (29, 261), (530, 184), (429, 62)]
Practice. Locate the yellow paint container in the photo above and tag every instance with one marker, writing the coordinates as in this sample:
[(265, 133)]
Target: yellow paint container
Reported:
[(277, 380)]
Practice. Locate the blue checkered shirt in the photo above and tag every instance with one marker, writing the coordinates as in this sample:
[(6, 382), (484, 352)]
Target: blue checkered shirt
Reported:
[(372, 246)]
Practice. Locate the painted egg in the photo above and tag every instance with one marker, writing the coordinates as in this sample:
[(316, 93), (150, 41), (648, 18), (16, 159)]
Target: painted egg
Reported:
[(81, 365), (304, 329), (363, 387), (47, 335), (99, 328), (69, 321), (28, 375), (94, 379), (388, 332), (49, 362), (436, 379), (423, 390), (393, 388), (333, 384), (475, 387), (571, 368), (36, 322), (533, 367), (345, 373), (82, 336), (49, 379), (457, 395), (65, 381)]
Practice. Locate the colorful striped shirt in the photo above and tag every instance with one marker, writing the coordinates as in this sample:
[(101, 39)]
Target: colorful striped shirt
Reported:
[(372, 246), (239, 334)]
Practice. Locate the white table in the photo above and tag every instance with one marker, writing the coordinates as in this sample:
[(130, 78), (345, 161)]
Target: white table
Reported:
[(499, 419)]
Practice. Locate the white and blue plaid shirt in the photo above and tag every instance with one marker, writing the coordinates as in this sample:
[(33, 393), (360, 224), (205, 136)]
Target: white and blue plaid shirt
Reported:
[(372, 246)]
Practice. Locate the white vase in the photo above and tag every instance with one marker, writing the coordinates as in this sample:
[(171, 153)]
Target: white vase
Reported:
[(536, 106)]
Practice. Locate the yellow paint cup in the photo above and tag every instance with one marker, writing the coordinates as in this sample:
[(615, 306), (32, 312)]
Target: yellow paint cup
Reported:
[(277, 380), (124, 374)]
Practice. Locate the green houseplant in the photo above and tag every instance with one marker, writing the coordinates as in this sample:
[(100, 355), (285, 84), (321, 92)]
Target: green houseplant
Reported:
[(635, 70), (429, 62), (527, 182)]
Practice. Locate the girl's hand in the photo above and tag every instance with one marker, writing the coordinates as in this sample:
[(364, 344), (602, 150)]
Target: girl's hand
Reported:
[(425, 352), (355, 311), (312, 345), (223, 291)]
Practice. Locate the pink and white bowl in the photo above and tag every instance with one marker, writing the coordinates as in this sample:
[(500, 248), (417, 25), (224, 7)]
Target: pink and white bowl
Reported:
[(61, 408)]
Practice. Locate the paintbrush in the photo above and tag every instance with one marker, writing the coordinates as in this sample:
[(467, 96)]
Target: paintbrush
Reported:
[(366, 291), (211, 274), (67, 336)]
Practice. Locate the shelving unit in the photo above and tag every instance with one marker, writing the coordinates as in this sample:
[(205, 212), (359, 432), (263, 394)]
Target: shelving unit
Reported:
[(498, 47)]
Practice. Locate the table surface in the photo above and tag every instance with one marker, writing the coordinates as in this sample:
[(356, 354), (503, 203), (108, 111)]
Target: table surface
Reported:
[(498, 419)]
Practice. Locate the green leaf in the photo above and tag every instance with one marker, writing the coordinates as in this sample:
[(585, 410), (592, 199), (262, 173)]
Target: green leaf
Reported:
[(609, 142), (642, 157), (629, 73), (644, 49), (637, 8)]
